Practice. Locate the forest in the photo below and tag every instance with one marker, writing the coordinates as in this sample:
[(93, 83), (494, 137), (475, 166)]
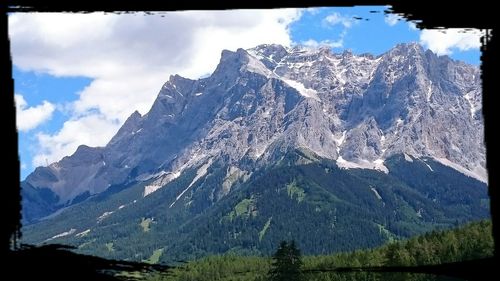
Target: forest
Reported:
[(473, 241), (323, 208)]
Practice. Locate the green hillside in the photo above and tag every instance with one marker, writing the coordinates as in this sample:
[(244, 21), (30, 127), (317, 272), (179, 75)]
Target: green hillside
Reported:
[(324, 208), (472, 241)]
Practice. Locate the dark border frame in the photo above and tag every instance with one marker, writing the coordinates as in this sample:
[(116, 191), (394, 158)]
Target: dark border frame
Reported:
[(479, 14)]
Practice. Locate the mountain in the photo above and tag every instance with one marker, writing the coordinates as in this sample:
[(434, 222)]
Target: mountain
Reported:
[(340, 151)]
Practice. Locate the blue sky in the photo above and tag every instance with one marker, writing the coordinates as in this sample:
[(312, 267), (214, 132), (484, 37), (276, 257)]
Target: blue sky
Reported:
[(370, 34), (37, 88), (77, 77)]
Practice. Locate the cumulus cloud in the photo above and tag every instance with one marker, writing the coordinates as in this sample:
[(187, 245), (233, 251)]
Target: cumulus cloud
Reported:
[(412, 26), (337, 18), (392, 19), (28, 118), (328, 43), (101, 45), (129, 57), (442, 42), (313, 11), (92, 130), (334, 19)]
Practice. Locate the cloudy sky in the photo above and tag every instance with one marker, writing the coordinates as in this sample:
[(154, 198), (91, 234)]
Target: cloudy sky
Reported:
[(79, 76)]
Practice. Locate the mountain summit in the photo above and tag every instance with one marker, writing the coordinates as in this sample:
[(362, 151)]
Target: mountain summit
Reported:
[(270, 106)]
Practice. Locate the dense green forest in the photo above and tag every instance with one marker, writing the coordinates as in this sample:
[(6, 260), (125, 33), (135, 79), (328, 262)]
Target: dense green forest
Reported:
[(472, 241), (324, 208)]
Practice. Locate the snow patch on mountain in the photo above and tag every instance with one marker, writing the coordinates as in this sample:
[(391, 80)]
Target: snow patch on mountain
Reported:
[(472, 107), (408, 157), (159, 183), (306, 92), (429, 92), (63, 234), (83, 233), (255, 65), (376, 193), (104, 215), (362, 164), (479, 174), (199, 174), (428, 166)]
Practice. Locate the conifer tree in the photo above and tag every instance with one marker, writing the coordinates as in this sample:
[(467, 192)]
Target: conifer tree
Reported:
[(287, 263)]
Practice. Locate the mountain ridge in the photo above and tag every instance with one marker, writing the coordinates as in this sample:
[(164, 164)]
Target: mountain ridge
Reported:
[(262, 102)]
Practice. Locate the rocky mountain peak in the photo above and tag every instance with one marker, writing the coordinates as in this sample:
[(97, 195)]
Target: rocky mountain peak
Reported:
[(346, 54), (260, 103), (273, 51)]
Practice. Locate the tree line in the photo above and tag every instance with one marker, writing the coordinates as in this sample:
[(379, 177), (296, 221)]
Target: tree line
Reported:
[(469, 242)]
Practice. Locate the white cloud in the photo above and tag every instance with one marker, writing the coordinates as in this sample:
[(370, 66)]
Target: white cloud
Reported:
[(392, 19), (337, 18), (329, 21), (112, 45), (329, 43), (443, 41), (129, 57), (313, 11), (92, 130), (28, 118), (412, 26)]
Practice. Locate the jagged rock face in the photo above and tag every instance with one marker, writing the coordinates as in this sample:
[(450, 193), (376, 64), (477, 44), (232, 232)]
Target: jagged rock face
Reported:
[(260, 103), (405, 101)]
